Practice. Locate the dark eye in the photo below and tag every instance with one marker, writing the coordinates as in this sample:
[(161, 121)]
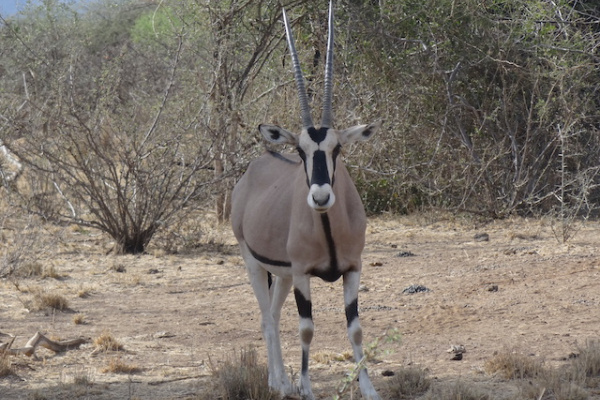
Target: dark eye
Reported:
[(301, 153)]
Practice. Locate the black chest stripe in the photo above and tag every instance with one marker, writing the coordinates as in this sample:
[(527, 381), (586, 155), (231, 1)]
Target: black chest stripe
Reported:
[(266, 260), (332, 273)]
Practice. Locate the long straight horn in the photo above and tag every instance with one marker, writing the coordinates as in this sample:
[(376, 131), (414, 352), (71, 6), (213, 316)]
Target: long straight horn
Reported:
[(304, 107), (328, 95)]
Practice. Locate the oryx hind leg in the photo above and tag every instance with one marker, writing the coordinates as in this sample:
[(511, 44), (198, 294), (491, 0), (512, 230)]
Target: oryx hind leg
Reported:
[(268, 301), (351, 285)]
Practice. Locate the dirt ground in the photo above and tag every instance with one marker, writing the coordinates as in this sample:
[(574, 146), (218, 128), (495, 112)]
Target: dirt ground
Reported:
[(175, 314)]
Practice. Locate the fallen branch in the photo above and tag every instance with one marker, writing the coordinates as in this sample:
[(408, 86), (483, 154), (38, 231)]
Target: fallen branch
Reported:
[(40, 340)]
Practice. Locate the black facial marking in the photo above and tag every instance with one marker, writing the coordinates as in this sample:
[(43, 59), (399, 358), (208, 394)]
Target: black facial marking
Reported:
[(335, 154), (317, 135), (266, 260), (281, 157), (304, 306), (320, 175), (301, 153), (352, 311), (367, 132)]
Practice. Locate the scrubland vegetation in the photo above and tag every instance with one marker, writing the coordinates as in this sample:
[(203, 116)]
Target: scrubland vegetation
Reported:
[(127, 116)]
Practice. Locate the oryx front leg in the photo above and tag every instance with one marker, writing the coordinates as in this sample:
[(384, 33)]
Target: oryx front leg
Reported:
[(302, 295), (270, 310), (351, 285)]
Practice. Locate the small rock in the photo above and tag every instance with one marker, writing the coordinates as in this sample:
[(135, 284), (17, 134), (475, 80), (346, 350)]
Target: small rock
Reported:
[(153, 271), (457, 357), (492, 288), (388, 372), (482, 237), (163, 335), (405, 254), (363, 288), (376, 264), (457, 348), (412, 289)]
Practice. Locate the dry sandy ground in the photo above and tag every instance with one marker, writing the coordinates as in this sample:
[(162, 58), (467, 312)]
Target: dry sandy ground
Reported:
[(177, 313)]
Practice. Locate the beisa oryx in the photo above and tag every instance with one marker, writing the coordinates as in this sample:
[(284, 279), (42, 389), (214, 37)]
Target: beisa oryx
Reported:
[(299, 216)]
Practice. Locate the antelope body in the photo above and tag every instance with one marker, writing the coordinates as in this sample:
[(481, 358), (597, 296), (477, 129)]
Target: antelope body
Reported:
[(299, 216)]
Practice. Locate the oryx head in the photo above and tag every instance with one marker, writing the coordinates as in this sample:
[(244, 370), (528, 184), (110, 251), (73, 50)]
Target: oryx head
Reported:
[(318, 146)]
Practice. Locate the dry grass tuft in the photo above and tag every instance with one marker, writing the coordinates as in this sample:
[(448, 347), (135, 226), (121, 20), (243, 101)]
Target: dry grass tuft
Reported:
[(43, 299), (107, 342), (79, 319), (512, 365), (241, 377), (84, 292), (117, 366), (552, 386), (327, 358), (585, 364), (456, 391), (6, 368), (409, 383)]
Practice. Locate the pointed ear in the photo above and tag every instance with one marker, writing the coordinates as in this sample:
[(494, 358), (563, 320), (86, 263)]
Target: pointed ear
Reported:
[(359, 133), (275, 134)]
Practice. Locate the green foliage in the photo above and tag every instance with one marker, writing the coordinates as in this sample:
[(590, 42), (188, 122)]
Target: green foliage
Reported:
[(156, 26)]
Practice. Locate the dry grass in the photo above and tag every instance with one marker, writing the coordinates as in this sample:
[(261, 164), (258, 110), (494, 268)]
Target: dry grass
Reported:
[(43, 299), (107, 342), (6, 368), (458, 390), (79, 319), (116, 365), (84, 292), (586, 364), (409, 383), (241, 377), (327, 358), (512, 365)]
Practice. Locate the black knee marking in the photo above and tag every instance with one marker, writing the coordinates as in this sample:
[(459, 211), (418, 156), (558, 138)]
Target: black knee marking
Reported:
[(270, 279), (304, 306), (352, 311)]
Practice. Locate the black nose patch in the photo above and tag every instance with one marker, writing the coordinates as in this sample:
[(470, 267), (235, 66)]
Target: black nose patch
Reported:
[(320, 175)]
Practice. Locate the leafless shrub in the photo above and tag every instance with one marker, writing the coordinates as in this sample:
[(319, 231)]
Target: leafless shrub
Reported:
[(21, 251)]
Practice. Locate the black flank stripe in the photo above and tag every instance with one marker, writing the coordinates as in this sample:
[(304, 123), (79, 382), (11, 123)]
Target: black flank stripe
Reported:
[(266, 260)]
